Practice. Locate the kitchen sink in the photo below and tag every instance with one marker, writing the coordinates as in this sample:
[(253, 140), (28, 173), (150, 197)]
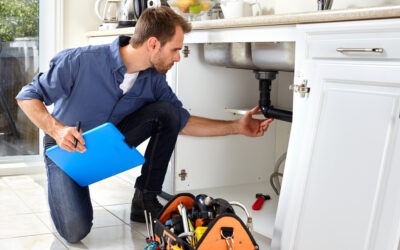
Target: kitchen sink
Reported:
[(265, 59), (277, 56), (266, 56), (231, 55)]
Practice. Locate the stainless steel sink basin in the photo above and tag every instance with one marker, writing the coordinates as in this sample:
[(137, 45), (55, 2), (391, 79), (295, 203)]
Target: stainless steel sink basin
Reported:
[(231, 55), (277, 56), (271, 56)]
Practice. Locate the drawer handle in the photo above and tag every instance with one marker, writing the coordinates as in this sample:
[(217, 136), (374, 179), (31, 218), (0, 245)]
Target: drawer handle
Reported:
[(373, 50)]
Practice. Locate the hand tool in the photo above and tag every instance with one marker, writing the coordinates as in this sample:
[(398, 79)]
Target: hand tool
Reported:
[(204, 204), (152, 244), (78, 128), (182, 212), (260, 201), (147, 226), (151, 228)]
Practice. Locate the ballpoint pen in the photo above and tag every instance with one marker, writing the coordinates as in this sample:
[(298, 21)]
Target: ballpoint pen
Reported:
[(78, 127)]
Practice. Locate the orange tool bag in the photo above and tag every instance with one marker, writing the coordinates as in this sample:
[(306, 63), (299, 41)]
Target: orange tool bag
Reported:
[(189, 222)]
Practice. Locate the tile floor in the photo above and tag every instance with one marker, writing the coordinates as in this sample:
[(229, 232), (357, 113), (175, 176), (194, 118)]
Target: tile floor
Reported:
[(25, 221)]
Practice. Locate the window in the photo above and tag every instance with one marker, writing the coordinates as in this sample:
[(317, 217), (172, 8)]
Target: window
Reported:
[(19, 62)]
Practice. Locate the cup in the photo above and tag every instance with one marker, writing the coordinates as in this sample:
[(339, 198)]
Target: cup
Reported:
[(232, 8)]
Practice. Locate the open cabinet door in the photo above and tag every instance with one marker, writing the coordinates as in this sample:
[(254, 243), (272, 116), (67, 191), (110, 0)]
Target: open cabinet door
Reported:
[(341, 188)]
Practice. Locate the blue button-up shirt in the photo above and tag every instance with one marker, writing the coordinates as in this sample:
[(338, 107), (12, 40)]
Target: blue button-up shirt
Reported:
[(83, 84)]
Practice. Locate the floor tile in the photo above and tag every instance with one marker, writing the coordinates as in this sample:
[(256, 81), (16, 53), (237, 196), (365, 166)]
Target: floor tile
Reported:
[(111, 238), (101, 218), (112, 191), (140, 228), (19, 182), (11, 204), (37, 242), (45, 218), (35, 198), (21, 225), (31, 189), (3, 184), (122, 211)]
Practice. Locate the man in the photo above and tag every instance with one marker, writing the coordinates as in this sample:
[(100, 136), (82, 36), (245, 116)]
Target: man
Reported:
[(123, 83)]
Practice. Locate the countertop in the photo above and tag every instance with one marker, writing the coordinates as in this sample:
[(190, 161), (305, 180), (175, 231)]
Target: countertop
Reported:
[(282, 19)]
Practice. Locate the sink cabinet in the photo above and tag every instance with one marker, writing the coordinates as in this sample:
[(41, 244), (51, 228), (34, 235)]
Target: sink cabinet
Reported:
[(232, 167), (340, 187)]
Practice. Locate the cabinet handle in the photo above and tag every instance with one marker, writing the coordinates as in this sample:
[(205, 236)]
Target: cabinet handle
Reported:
[(373, 50)]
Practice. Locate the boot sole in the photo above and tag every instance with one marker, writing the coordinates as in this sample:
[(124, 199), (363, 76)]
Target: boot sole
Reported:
[(138, 218)]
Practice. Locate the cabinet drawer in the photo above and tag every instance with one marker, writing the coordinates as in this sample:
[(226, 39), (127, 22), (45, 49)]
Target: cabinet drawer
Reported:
[(368, 48)]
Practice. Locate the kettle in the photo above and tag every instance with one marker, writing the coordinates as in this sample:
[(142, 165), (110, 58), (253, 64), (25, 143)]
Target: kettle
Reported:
[(110, 14), (110, 11), (127, 16), (130, 11)]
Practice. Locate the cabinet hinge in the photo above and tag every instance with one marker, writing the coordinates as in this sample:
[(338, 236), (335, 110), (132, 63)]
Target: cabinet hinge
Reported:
[(302, 88), (186, 51), (182, 174)]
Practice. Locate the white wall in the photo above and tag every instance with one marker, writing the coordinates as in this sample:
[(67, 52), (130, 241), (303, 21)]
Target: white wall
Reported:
[(79, 18)]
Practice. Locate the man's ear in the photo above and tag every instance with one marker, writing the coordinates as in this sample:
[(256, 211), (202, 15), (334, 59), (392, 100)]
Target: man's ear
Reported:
[(152, 43)]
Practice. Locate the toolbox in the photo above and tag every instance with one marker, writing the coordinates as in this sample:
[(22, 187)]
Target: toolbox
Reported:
[(189, 222)]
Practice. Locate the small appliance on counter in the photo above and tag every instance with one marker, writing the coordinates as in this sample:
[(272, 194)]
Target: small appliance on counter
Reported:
[(324, 4), (130, 11), (127, 14), (236, 8), (110, 14)]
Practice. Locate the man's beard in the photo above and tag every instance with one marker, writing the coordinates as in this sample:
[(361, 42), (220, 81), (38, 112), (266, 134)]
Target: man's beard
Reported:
[(162, 69), (159, 65)]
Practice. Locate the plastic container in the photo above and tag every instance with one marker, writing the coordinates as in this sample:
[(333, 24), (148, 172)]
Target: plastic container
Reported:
[(232, 8)]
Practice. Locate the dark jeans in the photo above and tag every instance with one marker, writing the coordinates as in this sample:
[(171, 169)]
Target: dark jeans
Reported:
[(70, 205)]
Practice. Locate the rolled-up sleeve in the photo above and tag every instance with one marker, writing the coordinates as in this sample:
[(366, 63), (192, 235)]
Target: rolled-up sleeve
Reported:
[(52, 85)]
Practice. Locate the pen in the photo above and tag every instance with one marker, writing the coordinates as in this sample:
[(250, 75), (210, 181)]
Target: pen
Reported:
[(78, 127)]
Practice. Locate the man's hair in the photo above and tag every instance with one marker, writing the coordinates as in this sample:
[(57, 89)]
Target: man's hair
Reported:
[(158, 22)]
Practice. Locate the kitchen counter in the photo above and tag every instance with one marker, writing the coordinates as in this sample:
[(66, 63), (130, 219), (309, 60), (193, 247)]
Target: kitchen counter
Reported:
[(301, 18), (282, 19)]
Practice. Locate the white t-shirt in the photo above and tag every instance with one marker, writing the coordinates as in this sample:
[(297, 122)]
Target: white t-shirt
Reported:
[(129, 80)]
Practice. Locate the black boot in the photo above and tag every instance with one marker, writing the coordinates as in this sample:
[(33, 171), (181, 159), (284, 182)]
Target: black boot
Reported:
[(144, 200)]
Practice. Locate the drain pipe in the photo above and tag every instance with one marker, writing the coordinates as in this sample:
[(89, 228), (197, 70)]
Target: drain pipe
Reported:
[(265, 79)]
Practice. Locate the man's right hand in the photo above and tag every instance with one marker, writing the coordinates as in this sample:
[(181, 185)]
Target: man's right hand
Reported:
[(63, 135), (65, 138)]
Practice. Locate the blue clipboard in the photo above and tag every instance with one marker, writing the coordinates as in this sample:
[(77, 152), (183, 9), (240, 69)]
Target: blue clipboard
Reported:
[(106, 155)]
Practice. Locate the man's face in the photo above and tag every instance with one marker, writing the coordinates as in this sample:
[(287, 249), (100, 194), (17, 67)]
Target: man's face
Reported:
[(164, 58)]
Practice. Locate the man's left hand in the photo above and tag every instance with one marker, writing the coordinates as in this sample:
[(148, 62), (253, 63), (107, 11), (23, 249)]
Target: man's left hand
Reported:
[(252, 127)]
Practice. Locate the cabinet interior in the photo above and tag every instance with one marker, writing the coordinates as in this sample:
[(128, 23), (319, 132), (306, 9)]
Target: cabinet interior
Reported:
[(233, 167)]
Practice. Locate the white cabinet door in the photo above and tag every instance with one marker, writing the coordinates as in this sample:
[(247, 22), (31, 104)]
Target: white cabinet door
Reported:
[(348, 193), (340, 188)]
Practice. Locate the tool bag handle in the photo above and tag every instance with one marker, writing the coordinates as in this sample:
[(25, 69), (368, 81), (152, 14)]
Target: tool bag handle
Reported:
[(187, 199)]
